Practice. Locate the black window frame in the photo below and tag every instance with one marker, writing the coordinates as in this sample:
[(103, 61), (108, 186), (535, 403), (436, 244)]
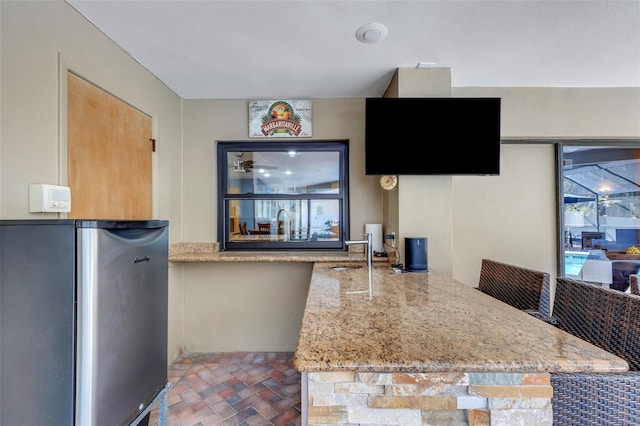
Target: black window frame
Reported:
[(223, 198)]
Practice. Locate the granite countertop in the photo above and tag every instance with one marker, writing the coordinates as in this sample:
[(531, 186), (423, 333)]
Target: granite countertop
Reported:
[(428, 322), (208, 252)]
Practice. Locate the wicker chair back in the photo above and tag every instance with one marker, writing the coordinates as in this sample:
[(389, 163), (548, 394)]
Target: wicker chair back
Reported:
[(610, 320), (633, 283), (605, 318), (522, 288)]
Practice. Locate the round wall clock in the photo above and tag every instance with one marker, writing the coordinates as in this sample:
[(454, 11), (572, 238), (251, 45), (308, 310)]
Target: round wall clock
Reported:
[(388, 182)]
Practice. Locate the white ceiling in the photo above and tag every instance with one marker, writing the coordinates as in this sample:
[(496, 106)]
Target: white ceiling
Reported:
[(238, 49)]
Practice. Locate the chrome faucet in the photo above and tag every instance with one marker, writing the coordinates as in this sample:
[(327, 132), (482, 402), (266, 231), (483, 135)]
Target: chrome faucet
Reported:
[(369, 250), (287, 223), (368, 247)]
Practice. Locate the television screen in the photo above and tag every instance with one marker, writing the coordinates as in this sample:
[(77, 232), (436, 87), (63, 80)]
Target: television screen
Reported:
[(432, 136)]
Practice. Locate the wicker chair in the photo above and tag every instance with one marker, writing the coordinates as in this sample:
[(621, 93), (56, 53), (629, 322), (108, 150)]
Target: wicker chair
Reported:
[(610, 320), (633, 283), (620, 272), (522, 288)]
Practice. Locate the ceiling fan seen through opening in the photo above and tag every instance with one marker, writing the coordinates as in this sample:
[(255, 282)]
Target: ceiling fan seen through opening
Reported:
[(247, 166)]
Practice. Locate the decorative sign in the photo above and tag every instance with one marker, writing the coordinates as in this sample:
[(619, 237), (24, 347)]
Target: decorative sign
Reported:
[(279, 119)]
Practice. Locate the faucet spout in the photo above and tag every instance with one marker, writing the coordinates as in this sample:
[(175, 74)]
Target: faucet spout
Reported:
[(368, 247), (287, 223), (369, 251)]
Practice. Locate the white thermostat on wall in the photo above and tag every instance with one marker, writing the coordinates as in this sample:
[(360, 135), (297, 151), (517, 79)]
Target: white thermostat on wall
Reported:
[(49, 198)]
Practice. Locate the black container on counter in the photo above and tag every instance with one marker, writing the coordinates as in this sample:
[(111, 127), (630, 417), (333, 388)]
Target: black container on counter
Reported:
[(415, 250)]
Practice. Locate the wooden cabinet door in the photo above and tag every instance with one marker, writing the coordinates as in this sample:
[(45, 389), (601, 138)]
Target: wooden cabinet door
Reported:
[(109, 155)]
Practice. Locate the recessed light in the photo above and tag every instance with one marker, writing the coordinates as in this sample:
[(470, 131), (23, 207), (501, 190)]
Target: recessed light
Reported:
[(372, 33), (426, 65)]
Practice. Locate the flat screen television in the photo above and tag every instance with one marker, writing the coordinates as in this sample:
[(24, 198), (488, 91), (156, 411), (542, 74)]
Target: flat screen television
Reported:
[(432, 136)]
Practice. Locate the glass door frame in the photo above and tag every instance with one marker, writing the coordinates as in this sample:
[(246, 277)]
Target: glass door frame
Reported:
[(560, 196)]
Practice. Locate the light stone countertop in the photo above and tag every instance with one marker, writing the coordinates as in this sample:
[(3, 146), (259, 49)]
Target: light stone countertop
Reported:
[(208, 252), (428, 322)]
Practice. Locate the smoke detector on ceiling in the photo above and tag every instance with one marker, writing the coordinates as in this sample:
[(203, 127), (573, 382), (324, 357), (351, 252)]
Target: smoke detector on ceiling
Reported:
[(372, 33)]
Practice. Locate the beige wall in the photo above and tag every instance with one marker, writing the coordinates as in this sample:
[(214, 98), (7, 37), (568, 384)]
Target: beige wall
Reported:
[(481, 226), (40, 40), (208, 121), (513, 217), (256, 306), (424, 207), (510, 217), (244, 306), (467, 218), (252, 318)]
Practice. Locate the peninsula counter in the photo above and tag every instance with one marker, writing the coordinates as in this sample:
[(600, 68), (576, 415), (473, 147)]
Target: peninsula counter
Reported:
[(422, 348)]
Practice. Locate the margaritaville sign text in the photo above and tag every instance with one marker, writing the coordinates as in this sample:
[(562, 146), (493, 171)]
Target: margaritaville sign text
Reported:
[(280, 118)]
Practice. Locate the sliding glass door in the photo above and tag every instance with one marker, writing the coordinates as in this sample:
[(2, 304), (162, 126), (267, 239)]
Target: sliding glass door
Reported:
[(600, 212)]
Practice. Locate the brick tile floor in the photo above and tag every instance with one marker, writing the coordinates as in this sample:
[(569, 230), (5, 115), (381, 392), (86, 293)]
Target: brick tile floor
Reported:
[(233, 389)]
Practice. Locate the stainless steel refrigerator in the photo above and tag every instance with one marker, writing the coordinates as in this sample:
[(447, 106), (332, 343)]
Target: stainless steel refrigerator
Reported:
[(83, 320)]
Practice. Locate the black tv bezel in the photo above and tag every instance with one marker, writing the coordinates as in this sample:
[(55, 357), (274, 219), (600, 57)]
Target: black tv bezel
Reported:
[(385, 151)]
